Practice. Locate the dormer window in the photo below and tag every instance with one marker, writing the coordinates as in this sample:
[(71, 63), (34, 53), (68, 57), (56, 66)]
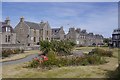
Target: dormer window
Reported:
[(7, 29)]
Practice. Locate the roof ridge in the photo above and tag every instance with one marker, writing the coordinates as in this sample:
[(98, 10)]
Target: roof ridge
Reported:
[(31, 22)]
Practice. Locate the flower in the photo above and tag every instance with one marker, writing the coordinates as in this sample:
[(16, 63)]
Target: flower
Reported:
[(45, 58), (36, 59), (42, 56)]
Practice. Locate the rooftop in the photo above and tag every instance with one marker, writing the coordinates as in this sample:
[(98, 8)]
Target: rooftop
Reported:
[(116, 31)]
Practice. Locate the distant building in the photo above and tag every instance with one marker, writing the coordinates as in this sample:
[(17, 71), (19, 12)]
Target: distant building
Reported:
[(81, 37), (0, 38), (30, 33), (116, 38), (58, 34), (7, 34)]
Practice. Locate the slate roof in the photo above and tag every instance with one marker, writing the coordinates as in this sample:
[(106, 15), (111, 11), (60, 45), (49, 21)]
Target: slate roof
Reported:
[(3, 26), (33, 25), (42, 24), (55, 30), (116, 31)]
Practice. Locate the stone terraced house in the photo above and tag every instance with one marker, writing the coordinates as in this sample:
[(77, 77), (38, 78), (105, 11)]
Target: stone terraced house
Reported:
[(116, 38), (30, 33), (58, 33), (0, 38), (7, 34), (81, 37)]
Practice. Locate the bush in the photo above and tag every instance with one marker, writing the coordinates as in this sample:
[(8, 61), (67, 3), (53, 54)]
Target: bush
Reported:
[(8, 52), (16, 51), (101, 52), (22, 50), (60, 47), (95, 59), (34, 64), (54, 60)]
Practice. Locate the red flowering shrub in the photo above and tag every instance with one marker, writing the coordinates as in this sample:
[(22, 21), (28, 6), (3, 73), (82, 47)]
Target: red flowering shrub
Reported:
[(45, 58), (36, 59)]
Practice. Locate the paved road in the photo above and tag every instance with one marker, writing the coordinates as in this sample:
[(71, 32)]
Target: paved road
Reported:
[(26, 59)]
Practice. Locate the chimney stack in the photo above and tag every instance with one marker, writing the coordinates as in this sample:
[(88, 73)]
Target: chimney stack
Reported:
[(71, 29), (22, 19), (78, 30), (7, 21), (61, 27), (41, 22)]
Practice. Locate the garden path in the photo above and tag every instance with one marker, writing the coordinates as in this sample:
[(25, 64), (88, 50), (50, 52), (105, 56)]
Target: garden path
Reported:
[(26, 59)]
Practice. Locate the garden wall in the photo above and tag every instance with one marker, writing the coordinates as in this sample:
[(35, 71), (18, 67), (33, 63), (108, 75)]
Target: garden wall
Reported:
[(18, 46)]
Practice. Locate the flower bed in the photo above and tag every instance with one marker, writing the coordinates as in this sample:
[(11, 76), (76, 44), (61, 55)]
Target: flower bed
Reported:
[(54, 60)]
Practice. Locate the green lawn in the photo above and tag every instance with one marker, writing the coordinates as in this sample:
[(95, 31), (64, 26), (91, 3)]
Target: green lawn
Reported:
[(91, 71)]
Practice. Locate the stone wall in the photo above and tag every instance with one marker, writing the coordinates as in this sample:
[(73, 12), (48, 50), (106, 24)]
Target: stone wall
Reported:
[(12, 46), (18, 46)]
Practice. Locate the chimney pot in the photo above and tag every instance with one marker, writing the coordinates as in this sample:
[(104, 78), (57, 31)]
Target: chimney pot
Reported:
[(22, 19), (7, 21)]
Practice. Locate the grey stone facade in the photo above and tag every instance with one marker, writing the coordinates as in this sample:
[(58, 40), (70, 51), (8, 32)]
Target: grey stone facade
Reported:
[(116, 38), (58, 34), (30, 33), (7, 34), (81, 37)]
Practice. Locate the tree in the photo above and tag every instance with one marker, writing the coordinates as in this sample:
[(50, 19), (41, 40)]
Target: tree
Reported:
[(106, 40)]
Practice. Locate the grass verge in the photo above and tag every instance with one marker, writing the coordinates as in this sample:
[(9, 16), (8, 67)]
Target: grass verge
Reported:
[(91, 71), (19, 56)]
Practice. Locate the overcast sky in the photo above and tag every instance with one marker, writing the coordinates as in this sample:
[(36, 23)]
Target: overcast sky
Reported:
[(96, 17)]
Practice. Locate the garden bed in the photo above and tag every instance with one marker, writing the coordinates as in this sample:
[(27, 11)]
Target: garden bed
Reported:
[(88, 71), (95, 57)]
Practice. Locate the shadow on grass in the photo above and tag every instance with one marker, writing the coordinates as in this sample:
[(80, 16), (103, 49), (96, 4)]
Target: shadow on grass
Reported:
[(114, 74)]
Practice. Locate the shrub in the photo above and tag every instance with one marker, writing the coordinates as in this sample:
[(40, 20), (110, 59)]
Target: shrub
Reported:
[(22, 51), (8, 52), (95, 59), (84, 62), (60, 47), (45, 46), (34, 64), (54, 60), (101, 52)]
